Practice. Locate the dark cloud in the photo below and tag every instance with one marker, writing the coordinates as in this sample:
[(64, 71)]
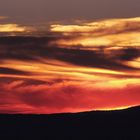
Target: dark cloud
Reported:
[(35, 49), (12, 71), (90, 59), (128, 54)]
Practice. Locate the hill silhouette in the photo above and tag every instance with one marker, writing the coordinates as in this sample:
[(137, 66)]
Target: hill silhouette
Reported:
[(120, 125)]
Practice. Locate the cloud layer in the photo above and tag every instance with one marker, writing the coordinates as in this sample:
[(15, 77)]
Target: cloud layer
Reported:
[(88, 66)]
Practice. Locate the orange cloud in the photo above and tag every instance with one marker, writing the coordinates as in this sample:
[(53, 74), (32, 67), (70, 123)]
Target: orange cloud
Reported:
[(11, 28), (100, 27), (113, 32)]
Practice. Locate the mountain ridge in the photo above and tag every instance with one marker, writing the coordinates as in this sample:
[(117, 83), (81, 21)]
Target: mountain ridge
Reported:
[(120, 125)]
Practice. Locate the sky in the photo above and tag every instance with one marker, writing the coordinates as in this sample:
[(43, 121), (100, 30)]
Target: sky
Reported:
[(36, 11), (80, 67), (69, 56)]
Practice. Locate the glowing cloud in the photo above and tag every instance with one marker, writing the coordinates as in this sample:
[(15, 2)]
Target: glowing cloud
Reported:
[(103, 26), (11, 28), (113, 32)]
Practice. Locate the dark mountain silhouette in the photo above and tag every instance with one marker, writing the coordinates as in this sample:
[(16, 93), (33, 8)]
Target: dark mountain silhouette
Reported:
[(120, 125)]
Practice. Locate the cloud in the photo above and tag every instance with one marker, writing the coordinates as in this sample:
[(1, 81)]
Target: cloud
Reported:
[(110, 34), (102, 27), (11, 28), (66, 98), (37, 49), (11, 71), (88, 66)]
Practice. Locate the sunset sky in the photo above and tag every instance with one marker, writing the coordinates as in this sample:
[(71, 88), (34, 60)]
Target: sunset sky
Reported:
[(69, 56)]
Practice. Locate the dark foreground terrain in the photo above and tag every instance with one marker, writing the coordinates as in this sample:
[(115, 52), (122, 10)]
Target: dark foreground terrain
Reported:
[(120, 125)]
